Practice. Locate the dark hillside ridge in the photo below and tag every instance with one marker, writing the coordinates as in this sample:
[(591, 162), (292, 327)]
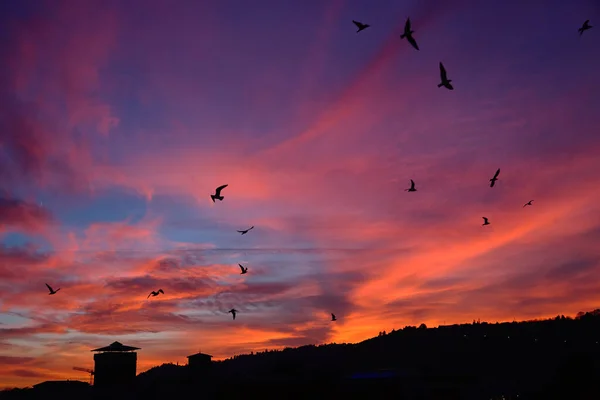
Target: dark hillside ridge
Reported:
[(557, 358)]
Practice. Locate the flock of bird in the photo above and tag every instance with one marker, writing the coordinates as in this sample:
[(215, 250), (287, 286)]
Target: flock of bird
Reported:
[(492, 183), (444, 81)]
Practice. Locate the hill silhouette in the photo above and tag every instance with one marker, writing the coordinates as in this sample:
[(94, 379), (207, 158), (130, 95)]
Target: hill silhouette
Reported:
[(553, 358)]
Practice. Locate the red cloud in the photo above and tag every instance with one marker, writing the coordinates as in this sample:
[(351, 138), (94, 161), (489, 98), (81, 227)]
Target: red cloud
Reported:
[(17, 263), (8, 360), (20, 215)]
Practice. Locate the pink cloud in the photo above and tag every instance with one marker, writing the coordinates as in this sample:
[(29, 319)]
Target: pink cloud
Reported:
[(16, 262), (20, 215), (47, 67), (113, 235)]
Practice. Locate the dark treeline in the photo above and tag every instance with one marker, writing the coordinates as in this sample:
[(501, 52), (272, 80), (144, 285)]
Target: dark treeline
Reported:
[(557, 358)]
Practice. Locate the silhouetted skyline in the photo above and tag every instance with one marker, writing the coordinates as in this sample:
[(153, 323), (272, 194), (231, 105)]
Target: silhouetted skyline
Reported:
[(551, 358), (119, 126)]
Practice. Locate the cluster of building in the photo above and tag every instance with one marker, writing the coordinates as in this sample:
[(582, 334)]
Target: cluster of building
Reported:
[(116, 365)]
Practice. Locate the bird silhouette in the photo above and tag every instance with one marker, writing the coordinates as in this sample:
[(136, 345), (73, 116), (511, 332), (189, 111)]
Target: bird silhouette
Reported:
[(217, 194), (360, 26), (233, 311), (333, 318), (154, 294), (408, 34), (412, 187), (528, 203), (52, 291), (485, 221), (244, 270), (586, 25), (495, 178), (247, 230), (444, 76)]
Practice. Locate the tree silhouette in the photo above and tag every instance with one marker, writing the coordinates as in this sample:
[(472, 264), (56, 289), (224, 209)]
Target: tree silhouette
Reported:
[(545, 358)]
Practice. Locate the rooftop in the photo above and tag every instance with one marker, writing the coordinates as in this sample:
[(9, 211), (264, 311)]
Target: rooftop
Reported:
[(200, 354), (116, 346), (57, 384)]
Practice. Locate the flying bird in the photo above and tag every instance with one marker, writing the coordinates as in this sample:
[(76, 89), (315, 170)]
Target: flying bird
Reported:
[(360, 26), (154, 294), (333, 318), (244, 270), (233, 311), (408, 34), (586, 25), (412, 187), (485, 221), (528, 203), (52, 291), (445, 81), (217, 194), (247, 230), (495, 178)]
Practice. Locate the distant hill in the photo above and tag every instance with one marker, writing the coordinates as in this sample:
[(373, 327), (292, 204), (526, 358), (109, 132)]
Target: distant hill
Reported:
[(483, 357), (552, 358)]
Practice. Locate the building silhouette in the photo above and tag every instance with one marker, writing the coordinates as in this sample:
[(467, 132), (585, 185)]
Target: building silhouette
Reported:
[(64, 390), (199, 362), (115, 365)]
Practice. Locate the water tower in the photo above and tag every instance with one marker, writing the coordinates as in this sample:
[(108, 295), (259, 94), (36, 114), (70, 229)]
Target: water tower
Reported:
[(115, 365)]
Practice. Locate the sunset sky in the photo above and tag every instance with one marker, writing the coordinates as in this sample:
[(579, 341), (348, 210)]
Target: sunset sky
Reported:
[(119, 119)]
